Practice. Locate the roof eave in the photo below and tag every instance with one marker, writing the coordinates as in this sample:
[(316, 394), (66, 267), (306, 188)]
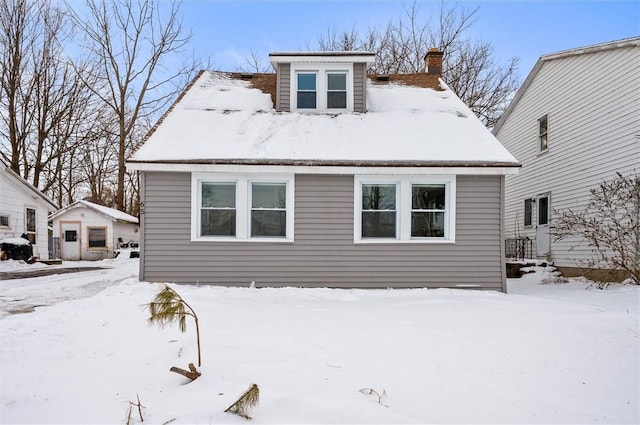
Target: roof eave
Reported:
[(335, 163), (628, 42), (32, 188)]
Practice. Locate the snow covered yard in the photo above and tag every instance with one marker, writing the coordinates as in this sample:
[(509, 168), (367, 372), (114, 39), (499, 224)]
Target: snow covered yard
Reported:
[(555, 353)]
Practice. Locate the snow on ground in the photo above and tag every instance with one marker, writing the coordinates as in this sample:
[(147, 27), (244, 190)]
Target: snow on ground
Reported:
[(23, 295), (553, 353)]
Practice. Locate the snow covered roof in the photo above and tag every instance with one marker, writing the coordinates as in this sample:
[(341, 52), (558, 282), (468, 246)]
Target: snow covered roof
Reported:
[(111, 213), (225, 120)]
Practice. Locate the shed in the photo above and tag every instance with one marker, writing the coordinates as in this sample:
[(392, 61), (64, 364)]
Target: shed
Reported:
[(88, 231)]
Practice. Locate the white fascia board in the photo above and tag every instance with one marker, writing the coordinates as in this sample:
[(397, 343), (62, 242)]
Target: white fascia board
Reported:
[(298, 169), (284, 58)]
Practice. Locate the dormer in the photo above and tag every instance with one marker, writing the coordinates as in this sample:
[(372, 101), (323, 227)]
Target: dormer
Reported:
[(321, 82)]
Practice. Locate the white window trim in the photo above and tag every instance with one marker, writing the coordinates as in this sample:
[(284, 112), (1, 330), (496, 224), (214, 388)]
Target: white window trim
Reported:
[(243, 205), (321, 70), (545, 117), (532, 203), (8, 226), (403, 208)]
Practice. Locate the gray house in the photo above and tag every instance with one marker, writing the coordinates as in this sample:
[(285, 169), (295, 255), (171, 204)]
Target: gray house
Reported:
[(320, 175)]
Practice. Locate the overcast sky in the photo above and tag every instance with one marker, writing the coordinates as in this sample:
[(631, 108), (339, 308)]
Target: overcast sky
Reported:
[(225, 31)]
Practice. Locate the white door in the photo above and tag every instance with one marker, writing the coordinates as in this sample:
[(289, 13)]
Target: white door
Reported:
[(70, 240), (543, 232)]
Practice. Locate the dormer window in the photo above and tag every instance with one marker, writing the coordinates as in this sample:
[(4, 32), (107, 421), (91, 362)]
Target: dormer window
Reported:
[(321, 82), (336, 90), (306, 91), (319, 89)]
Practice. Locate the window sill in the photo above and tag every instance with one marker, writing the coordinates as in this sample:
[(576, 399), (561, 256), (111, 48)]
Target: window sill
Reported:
[(236, 240), (370, 241), (322, 111), (540, 153)]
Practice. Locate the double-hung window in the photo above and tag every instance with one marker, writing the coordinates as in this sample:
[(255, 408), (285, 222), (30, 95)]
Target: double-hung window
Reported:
[(218, 209), (322, 87), (268, 209), (242, 207), (306, 90), (336, 90), (379, 212), (404, 209), (543, 124), (428, 210)]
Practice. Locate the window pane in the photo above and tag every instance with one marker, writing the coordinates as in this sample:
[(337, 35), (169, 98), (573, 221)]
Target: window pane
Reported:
[(543, 210), (70, 236), (378, 224), (306, 81), (336, 100), (543, 125), (427, 224), (218, 223), (97, 237), (428, 197), (543, 143), (306, 100), (379, 197), (542, 132), (268, 195), (31, 220), (337, 81), (527, 212), (218, 195), (4, 220), (268, 223)]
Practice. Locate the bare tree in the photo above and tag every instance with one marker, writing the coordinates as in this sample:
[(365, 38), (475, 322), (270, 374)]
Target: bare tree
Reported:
[(469, 67), (133, 41), (43, 99), (19, 25), (610, 224), (254, 63)]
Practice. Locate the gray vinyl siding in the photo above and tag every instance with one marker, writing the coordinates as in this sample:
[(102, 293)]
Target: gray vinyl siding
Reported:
[(593, 105), (323, 253), (359, 87), (283, 87)]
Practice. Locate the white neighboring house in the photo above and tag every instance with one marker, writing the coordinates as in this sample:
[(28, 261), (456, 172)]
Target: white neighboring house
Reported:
[(88, 231), (574, 123), (24, 210)]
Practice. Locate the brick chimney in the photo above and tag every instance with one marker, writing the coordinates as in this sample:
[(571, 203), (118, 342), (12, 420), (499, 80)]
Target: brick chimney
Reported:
[(433, 61)]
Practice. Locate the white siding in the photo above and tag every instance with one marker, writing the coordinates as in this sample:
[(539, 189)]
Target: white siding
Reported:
[(14, 199), (90, 218), (593, 105)]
